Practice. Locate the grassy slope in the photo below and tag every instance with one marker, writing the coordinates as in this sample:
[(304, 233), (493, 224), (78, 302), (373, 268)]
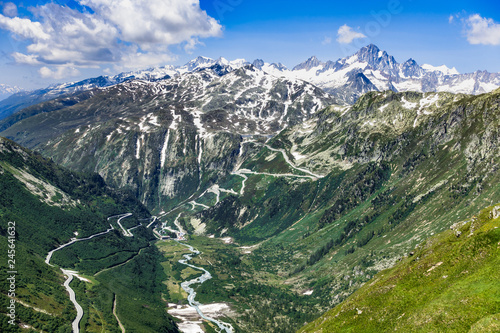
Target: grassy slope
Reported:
[(449, 284), (42, 226)]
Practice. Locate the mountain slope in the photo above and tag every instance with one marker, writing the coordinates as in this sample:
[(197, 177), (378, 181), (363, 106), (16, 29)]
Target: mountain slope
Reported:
[(164, 139), (448, 283), (319, 209), (355, 191), (47, 206), (23, 99)]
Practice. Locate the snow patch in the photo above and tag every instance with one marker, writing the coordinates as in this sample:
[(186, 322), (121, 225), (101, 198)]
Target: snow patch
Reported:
[(174, 125), (429, 100), (443, 69), (297, 156), (408, 105)]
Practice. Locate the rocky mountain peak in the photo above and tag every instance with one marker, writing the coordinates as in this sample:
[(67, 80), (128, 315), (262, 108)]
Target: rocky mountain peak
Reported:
[(376, 58), (258, 63), (308, 64), (369, 49), (279, 66), (410, 68)]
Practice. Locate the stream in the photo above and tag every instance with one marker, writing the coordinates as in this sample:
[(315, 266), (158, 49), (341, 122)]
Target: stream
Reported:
[(186, 285)]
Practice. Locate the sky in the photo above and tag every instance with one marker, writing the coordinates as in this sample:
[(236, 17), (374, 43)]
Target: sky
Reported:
[(44, 42)]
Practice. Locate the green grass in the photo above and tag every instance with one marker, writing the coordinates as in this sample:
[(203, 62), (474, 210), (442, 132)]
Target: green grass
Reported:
[(449, 284)]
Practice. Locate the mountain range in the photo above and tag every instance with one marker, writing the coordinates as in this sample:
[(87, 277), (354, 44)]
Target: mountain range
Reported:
[(346, 79), (297, 194), (6, 90)]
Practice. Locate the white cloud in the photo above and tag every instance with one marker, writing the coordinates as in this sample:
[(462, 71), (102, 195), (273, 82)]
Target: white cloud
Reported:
[(451, 18), (326, 41), (23, 28), (122, 33), (191, 44), (10, 9), (481, 30), (151, 22), (59, 72), (29, 59), (346, 35)]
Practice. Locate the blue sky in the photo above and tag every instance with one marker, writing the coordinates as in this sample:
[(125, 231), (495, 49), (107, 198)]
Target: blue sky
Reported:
[(43, 42)]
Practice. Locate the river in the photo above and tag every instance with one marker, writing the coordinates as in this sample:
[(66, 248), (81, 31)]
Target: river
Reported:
[(186, 285)]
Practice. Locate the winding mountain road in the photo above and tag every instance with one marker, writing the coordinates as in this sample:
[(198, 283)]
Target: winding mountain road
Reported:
[(287, 160), (74, 240), (79, 310), (70, 274), (126, 232)]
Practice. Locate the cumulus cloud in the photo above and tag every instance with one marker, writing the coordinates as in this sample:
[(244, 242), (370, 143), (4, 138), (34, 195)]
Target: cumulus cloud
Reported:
[(345, 35), (134, 58), (151, 22), (24, 28), (480, 30), (9, 9), (59, 72), (123, 33)]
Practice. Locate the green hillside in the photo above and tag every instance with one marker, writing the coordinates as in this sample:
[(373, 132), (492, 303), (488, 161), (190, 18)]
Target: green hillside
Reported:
[(449, 283), (47, 206)]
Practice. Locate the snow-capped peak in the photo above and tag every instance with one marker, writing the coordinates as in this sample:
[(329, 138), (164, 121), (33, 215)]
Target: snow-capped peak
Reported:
[(199, 62), (222, 61), (6, 90), (258, 63), (346, 79), (443, 69), (238, 63)]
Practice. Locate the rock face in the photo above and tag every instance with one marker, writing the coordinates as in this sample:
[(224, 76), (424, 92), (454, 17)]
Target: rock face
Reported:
[(165, 139)]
